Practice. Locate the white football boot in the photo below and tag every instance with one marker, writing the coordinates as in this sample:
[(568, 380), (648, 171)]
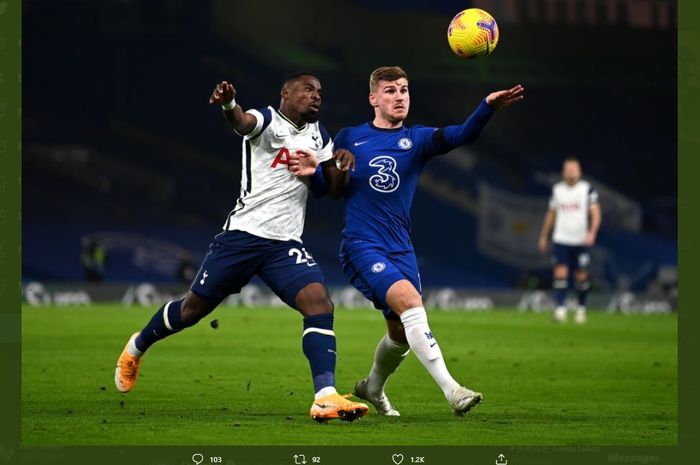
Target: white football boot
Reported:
[(560, 314), (380, 402), (462, 400)]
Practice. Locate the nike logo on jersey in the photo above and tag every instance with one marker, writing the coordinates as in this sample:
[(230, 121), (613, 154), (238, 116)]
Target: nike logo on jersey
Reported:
[(360, 143), (433, 344)]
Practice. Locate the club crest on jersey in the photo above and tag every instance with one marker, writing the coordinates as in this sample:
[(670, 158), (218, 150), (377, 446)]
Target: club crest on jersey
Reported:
[(378, 267), (405, 143)]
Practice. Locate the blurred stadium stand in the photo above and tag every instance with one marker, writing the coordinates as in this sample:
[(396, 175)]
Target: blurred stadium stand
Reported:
[(120, 141)]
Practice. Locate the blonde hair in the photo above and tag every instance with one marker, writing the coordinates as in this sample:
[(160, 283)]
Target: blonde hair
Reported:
[(385, 73)]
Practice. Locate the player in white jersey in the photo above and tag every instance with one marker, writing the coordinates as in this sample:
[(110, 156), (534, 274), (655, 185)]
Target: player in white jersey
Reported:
[(262, 236), (574, 212)]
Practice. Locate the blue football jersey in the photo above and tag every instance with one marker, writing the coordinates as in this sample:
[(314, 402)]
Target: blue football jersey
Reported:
[(380, 192)]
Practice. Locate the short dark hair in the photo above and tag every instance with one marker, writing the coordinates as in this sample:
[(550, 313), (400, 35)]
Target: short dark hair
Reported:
[(294, 76), (572, 158), (385, 73)]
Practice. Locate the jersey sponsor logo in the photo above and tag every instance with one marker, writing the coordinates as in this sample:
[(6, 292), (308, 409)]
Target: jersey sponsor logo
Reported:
[(386, 179), (570, 207), (282, 158), (378, 267), (405, 143)]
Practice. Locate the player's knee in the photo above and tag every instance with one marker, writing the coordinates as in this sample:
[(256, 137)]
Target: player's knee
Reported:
[(583, 284), (402, 295), (193, 309), (314, 300), (561, 272)]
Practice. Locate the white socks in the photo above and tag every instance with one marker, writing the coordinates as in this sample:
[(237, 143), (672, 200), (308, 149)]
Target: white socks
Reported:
[(387, 358), (424, 345), (131, 348), (326, 391)]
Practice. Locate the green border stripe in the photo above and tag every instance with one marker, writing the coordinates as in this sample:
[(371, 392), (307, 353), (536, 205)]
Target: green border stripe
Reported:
[(688, 227), (10, 226)]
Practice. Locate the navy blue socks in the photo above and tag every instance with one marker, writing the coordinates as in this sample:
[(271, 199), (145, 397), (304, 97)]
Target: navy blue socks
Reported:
[(165, 321), (318, 343), (560, 288)]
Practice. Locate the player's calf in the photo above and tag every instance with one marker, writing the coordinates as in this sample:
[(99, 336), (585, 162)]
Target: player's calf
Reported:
[(171, 318)]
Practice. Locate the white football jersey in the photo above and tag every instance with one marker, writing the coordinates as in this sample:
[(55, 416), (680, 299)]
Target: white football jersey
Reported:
[(571, 204), (272, 202)]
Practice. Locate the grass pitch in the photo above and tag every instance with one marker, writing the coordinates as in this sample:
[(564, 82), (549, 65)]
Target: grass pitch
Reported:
[(610, 382)]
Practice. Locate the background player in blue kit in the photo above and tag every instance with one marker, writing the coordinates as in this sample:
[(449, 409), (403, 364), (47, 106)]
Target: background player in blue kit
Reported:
[(376, 253), (262, 236)]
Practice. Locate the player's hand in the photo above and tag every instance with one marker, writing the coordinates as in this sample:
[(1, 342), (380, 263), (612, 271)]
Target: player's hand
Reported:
[(543, 245), (223, 93), (590, 239), (505, 98), (302, 162), (344, 159)]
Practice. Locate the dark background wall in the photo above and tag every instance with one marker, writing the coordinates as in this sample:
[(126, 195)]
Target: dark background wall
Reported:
[(120, 142)]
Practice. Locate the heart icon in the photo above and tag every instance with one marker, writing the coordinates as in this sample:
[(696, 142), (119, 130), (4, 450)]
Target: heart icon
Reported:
[(397, 458)]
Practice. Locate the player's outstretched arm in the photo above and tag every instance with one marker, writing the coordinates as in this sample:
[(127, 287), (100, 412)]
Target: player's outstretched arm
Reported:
[(505, 98), (451, 137), (224, 94), (337, 172)]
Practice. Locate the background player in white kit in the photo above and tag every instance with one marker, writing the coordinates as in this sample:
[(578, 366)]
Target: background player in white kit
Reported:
[(574, 212), (262, 236)]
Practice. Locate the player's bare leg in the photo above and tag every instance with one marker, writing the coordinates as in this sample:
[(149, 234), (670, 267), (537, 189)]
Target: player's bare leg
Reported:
[(318, 342), (391, 351), (582, 287), (404, 300), (169, 319), (560, 285)]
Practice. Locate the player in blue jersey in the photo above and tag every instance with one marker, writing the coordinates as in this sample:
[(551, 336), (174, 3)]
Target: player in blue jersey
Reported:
[(262, 236), (376, 253)]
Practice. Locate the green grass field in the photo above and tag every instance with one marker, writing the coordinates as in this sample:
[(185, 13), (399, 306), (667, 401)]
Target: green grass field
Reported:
[(610, 382)]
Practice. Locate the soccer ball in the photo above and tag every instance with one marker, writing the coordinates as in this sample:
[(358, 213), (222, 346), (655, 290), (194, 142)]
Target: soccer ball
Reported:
[(472, 33)]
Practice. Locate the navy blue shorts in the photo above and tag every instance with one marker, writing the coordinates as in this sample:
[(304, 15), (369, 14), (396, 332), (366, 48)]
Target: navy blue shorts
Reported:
[(576, 257), (373, 272), (236, 256)]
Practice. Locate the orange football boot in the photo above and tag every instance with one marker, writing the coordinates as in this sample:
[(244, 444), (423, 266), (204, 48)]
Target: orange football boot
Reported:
[(335, 406), (127, 370)]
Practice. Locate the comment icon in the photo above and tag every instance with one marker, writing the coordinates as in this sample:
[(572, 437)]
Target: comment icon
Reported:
[(197, 459)]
